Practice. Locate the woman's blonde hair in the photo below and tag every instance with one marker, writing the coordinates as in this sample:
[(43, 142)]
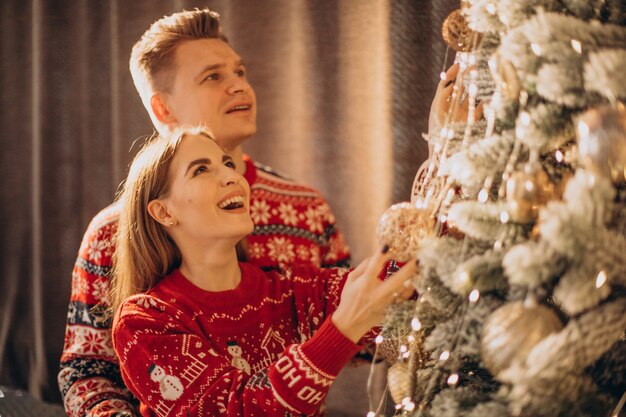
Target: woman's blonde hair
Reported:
[(144, 252)]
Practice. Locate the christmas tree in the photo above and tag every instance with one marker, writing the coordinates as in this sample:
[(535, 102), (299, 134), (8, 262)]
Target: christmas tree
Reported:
[(518, 221)]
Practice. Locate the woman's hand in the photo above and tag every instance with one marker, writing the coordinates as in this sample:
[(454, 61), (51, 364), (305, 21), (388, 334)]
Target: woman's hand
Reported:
[(442, 102), (365, 297)]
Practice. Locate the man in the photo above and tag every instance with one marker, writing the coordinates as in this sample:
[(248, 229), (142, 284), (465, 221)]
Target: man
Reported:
[(187, 73)]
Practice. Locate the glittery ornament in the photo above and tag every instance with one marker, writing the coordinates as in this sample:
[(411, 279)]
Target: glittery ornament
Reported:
[(602, 142), (526, 192), (512, 331), (399, 380), (457, 33), (505, 76), (402, 227)]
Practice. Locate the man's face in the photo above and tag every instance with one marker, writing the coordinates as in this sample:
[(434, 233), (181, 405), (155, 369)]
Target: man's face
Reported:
[(210, 87)]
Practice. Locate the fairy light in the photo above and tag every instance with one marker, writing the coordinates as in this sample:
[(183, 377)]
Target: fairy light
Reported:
[(444, 132), (379, 339), (410, 406), (474, 296), (577, 46), (504, 217), (442, 75), (483, 195), (491, 8), (524, 117), (497, 245), (453, 379), (371, 414), (472, 61), (443, 218), (529, 185), (445, 355), (403, 348), (406, 355), (416, 324), (411, 338), (559, 156), (536, 49), (600, 279), (450, 134), (464, 277)]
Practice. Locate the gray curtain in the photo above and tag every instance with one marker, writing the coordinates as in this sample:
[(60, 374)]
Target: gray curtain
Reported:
[(344, 89)]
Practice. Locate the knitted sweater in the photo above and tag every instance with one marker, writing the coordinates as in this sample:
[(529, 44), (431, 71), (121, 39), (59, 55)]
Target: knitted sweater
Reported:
[(293, 223), (265, 348)]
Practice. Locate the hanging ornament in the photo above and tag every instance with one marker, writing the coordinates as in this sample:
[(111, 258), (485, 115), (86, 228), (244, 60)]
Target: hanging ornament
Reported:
[(457, 33), (399, 380), (511, 332), (402, 227), (505, 76), (602, 142), (526, 192)]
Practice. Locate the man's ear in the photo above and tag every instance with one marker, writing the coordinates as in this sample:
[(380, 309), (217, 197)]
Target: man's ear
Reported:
[(161, 110), (159, 212)]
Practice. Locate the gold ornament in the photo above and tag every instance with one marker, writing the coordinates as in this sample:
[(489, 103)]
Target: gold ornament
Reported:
[(602, 142), (402, 227), (457, 33), (399, 380), (505, 76), (526, 192), (511, 332)]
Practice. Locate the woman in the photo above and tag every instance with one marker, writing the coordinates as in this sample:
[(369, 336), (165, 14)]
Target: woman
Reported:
[(203, 334)]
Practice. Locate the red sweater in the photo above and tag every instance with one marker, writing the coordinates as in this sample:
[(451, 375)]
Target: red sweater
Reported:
[(293, 223), (265, 348)]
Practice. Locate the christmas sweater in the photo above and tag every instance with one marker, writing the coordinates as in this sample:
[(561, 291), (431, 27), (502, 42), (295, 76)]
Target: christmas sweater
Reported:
[(293, 224), (265, 348)]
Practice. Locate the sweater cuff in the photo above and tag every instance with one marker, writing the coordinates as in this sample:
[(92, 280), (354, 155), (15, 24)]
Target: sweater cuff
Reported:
[(329, 349)]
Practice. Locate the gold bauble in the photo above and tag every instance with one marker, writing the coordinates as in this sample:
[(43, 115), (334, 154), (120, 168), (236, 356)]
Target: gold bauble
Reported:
[(402, 227), (457, 33), (526, 192), (505, 76), (399, 380), (602, 142), (511, 332)]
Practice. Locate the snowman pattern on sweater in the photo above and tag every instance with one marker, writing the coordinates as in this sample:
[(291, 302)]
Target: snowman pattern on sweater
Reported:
[(170, 386), (238, 361)]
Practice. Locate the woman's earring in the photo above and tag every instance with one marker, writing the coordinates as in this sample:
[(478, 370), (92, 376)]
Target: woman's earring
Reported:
[(171, 223)]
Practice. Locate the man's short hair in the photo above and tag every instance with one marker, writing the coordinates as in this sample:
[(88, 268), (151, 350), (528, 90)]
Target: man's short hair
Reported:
[(152, 57)]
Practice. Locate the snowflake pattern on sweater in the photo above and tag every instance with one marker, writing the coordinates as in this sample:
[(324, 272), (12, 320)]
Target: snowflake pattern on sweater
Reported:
[(89, 379), (265, 348)]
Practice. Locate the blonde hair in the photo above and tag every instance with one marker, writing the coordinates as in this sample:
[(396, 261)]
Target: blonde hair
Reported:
[(152, 57), (144, 252)]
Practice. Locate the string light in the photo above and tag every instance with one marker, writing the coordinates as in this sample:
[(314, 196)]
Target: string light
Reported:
[(371, 414), (453, 379), (379, 339), (442, 75), (497, 245), (474, 296), (536, 49), (403, 348), (504, 217), (410, 406), (600, 279), (483, 195), (445, 355), (577, 46), (416, 324), (411, 339), (491, 8), (443, 218), (559, 156)]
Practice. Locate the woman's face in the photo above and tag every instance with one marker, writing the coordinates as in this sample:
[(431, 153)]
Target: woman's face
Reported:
[(207, 198)]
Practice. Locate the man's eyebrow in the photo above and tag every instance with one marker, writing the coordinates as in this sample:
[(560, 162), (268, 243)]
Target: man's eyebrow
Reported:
[(200, 161), (210, 68)]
